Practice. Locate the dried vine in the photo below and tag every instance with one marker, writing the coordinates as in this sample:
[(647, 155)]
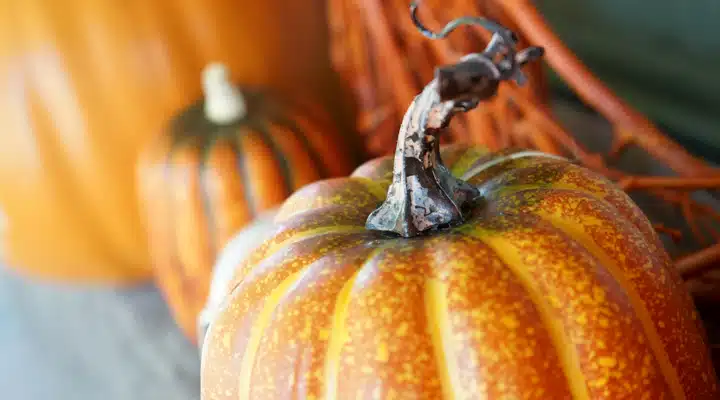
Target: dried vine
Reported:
[(386, 61)]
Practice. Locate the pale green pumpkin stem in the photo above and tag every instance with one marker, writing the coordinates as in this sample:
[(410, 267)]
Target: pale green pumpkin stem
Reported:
[(224, 103)]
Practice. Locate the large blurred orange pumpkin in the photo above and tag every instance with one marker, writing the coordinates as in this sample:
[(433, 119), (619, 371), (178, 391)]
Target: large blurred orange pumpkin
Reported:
[(226, 159), (84, 82)]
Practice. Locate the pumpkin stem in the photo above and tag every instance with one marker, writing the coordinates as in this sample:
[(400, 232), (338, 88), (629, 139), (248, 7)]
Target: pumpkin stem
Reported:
[(424, 195), (224, 104)]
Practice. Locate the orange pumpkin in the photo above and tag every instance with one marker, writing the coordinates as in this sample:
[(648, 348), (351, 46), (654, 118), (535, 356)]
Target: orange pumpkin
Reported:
[(83, 83), (236, 153), (556, 287), (481, 276), (249, 238)]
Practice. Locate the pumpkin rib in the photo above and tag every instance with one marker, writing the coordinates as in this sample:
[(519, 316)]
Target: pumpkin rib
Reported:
[(620, 270), (562, 221), (572, 182), (602, 367), (615, 202), (271, 247), (157, 177), (241, 163), (304, 170), (438, 324), (203, 170), (466, 160), (304, 317), (373, 187), (649, 329), (260, 323), (386, 308), (333, 192), (187, 208), (173, 288), (323, 142), (338, 328), (378, 168), (299, 131), (570, 177), (508, 346), (304, 251), (285, 171), (225, 190), (280, 290), (569, 358), (498, 161), (314, 111), (263, 171)]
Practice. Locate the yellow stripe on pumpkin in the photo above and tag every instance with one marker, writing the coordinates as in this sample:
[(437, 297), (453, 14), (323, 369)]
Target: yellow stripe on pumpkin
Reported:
[(578, 233), (337, 337), (438, 321), (566, 351), (261, 322)]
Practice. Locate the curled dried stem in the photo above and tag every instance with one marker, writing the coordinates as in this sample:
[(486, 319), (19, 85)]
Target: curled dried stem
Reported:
[(424, 195)]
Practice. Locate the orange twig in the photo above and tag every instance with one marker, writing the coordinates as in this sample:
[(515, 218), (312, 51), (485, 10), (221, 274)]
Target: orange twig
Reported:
[(695, 263), (592, 91), (621, 141), (674, 234), (385, 62), (688, 183)]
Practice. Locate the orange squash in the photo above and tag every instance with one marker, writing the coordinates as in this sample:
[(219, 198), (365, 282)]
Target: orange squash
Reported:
[(556, 288), (234, 154), (241, 245), (83, 83), (458, 274)]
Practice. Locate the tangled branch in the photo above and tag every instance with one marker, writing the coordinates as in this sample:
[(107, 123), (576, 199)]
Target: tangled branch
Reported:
[(385, 61)]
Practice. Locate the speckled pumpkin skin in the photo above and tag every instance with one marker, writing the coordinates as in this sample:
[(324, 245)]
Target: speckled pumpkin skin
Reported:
[(556, 287)]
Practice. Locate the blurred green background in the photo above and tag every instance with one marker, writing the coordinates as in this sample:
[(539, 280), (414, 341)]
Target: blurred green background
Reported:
[(661, 56)]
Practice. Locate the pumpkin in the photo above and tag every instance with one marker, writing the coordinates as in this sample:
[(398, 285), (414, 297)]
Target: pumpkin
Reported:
[(235, 153), (458, 274), (83, 86), (557, 287), (249, 238)]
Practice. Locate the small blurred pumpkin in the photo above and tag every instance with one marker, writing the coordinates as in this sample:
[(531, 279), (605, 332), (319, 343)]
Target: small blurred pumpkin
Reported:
[(83, 83), (237, 152)]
